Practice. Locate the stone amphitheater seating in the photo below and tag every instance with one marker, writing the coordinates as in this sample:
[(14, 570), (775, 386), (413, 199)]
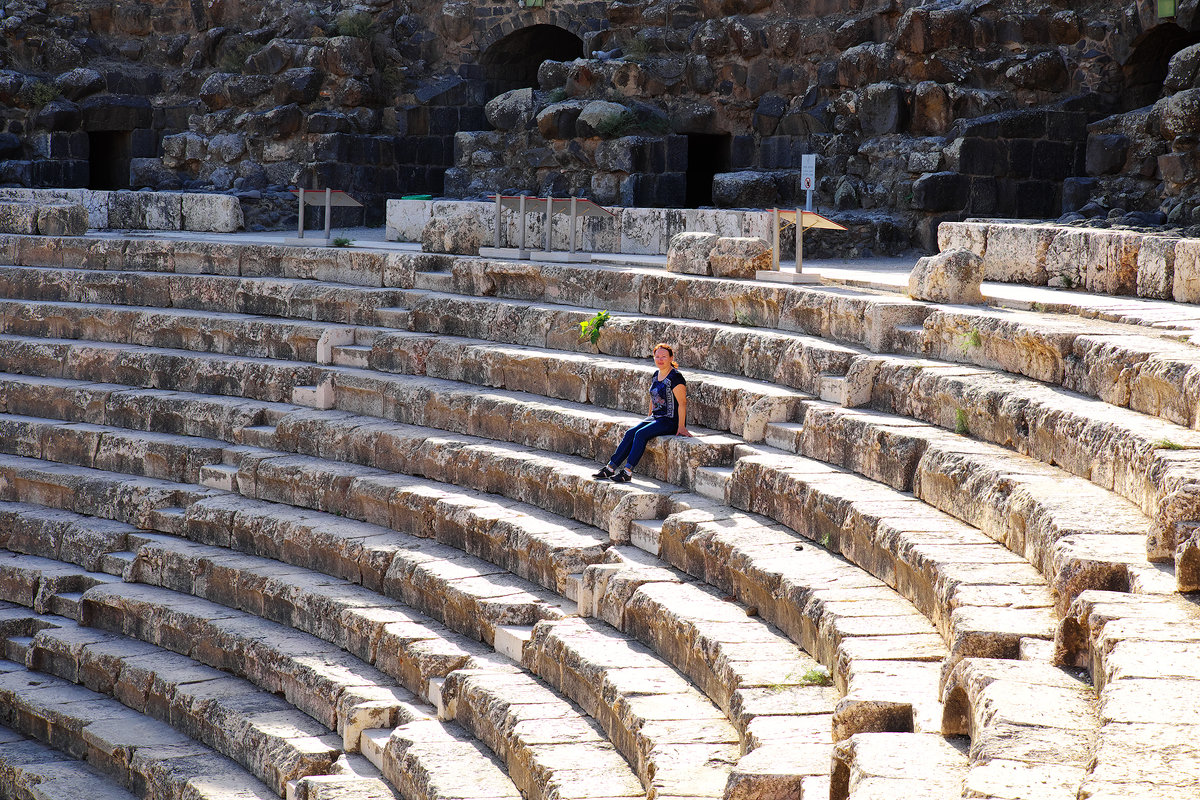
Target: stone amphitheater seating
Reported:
[(312, 524)]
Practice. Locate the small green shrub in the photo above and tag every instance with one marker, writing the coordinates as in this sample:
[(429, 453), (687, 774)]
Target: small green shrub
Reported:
[(1167, 444), (1068, 281), (617, 125), (38, 93), (234, 59), (960, 422), (342, 241), (817, 676), (743, 318), (556, 95), (360, 25), (590, 328)]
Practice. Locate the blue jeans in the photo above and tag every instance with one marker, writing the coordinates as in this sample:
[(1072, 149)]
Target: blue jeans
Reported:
[(636, 438)]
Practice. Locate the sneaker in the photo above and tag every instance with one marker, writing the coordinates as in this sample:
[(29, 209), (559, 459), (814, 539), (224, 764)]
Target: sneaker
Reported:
[(605, 472), (623, 476)]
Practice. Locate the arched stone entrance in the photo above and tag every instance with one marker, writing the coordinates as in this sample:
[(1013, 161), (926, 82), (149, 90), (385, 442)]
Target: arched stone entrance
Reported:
[(1146, 67), (512, 62)]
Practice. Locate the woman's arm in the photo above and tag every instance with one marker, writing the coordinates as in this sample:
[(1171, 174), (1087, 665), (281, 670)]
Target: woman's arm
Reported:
[(680, 392)]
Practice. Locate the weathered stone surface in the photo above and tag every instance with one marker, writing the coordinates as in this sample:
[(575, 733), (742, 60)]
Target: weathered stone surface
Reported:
[(511, 110), (949, 277), (597, 117), (62, 220), (218, 213), (689, 253), (18, 218), (744, 190), (460, 233), (739, 256)]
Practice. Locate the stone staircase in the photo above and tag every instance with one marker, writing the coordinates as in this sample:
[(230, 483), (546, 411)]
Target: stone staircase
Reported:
[(299, 524)]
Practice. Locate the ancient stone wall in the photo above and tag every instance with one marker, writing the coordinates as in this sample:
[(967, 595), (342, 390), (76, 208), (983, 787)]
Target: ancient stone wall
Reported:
[(917, 112)]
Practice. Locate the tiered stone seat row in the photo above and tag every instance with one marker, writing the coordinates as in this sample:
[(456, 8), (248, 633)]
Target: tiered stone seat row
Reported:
[(987, 604)]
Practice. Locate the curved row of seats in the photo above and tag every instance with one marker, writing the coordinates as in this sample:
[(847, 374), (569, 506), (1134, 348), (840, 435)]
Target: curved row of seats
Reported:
[(956, 557)]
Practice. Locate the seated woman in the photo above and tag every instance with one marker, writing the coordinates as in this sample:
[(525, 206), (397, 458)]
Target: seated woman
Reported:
[(668, 417)]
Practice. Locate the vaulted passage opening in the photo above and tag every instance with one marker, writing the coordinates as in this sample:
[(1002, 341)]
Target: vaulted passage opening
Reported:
[(109, 153), (512, 62), (1146, 68), (707, 155)]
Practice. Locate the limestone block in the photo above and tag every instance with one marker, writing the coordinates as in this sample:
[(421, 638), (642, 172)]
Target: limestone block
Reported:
[(1016, 253), (406, 219), (689, 252), (20, 218), (971, 236), (216, 213), (1065, 256), (1185, 284), (163, 211), (96, 203), (1111, 266), (601, 234), (1156, 267), (739, 256), (125, 212), (712, 220), (461, 233), (950, 277), (757, 223), (67, 219), (642, 231)]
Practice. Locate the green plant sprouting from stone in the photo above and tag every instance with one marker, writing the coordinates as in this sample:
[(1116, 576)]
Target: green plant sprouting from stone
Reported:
[(360, 25), (960, 422), (342, 241), (1167, 444), (743, 318), (971, 339), (234, 59), (556, 95), (38, 93), (817, 676), (590, 328)]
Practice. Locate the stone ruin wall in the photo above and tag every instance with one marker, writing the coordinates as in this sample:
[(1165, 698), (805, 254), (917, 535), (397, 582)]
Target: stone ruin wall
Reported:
[(918, 113)]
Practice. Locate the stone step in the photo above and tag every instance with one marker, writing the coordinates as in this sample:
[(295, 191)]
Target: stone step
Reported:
[(269, 296), (358, 356), (63, 536), (517, 417), (209, 416), (45, 585), (29, 768), (429, 760), (434, 281), (1150, 462), (1037, 511), (551, 750), (240, 335), (983, 598), (262, 732), (561, 485), (788, 359), (1142, 655), (464, 593), (353, 266), (723, 402), (679, 743), (784, 435), (149, 454), (1133, 365), (331, 686), (858, 318), (915, 766), (135, 750), (713, 483), (1033, 727), (646, 534)]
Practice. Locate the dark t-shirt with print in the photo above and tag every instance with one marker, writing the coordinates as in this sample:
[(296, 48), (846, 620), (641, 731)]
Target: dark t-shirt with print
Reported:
[(662, 396)]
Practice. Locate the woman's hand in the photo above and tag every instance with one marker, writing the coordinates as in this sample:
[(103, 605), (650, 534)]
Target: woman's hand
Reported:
[(683, 431)]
